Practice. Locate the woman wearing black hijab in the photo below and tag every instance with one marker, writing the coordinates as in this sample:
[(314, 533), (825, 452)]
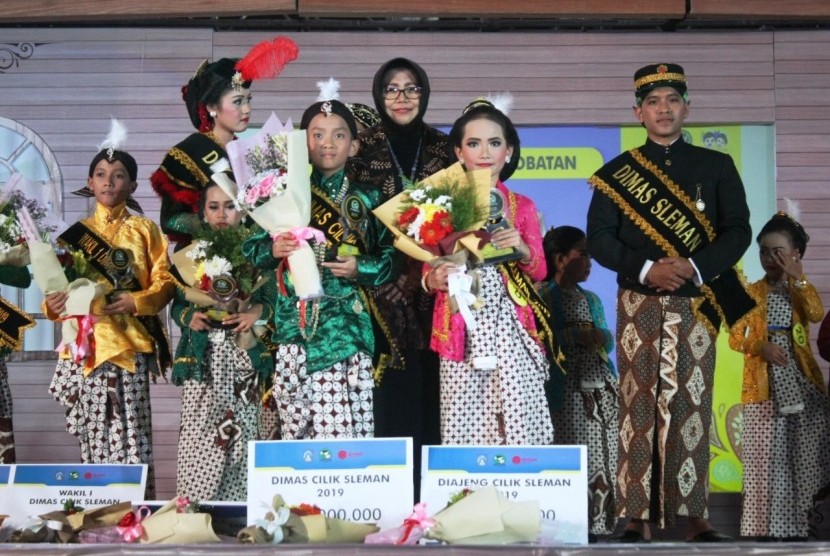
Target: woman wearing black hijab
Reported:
[(404, 148)]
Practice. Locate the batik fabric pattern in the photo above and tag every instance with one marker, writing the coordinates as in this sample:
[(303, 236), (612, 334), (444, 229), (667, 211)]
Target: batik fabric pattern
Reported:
[(109, 412), (588, 413), (7, 454), (786, 437), (220, 414), (666, 365)]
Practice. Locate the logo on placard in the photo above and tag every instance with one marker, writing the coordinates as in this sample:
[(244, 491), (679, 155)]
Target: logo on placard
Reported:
[(58, 476), (343, 454), (325, 455), (499, 459), (481, 460), (308, 456), (519, 459), (74, 475)]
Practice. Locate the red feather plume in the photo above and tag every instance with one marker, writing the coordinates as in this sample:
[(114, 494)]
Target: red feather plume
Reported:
[(267, 59)]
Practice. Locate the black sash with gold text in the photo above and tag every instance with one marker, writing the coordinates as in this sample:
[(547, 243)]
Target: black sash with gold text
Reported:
[(97, 253), (668, 216), (188, 163), (544, 318), (326, 217), (13, 322)]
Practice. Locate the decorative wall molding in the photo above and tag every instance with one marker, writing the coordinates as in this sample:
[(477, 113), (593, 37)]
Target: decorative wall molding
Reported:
[(11, 54)]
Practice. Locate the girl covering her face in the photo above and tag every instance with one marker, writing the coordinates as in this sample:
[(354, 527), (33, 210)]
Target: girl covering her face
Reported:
[(785, 403)]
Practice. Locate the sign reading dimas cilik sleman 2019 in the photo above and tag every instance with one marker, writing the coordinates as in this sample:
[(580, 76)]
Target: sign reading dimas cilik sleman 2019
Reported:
[(366, 481)]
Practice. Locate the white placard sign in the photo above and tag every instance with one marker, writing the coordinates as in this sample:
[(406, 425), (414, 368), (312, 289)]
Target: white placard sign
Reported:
[(556, 476), (40, 488), (367, 481), (5, 493)]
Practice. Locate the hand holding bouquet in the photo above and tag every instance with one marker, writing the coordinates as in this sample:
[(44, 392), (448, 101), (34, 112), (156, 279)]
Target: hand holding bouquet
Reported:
[(215, 273)]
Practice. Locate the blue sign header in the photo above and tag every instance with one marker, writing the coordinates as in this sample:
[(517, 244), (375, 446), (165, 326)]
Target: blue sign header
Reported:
[(80, 475), (504, 459), (330, 454)]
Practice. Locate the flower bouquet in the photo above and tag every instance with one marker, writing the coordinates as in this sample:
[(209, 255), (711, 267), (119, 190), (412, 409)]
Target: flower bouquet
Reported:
[(472, 517), (409, 533), (439, 220), (302, 524), (271, 170), (215, 273), (179, 521), (75, 524), (15, 194), (74, 275), (429, 217)]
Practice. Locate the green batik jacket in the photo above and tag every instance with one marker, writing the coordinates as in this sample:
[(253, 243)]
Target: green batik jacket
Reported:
[(340, 325)]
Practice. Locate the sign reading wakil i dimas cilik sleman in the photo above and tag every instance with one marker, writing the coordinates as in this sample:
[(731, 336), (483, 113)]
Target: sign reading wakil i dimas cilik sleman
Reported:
[(555, 476), (35, 489), (367, 481)]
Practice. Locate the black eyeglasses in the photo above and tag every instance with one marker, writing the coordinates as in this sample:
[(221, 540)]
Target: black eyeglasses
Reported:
[(411, 92)]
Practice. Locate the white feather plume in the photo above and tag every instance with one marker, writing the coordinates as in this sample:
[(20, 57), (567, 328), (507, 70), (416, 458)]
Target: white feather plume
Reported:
[(221, 165), (792, 208), (502, 101), (116, 138), (329, 89)]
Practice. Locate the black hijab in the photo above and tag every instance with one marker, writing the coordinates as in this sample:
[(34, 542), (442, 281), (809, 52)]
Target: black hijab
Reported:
[(405, 140)]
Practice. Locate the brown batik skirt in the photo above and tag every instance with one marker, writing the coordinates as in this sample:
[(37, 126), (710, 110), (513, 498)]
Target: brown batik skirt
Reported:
[(666, 360), (109, 412)]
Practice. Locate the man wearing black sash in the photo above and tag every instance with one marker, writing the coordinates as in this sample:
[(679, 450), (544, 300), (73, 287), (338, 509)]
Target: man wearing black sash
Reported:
[(671, 220)]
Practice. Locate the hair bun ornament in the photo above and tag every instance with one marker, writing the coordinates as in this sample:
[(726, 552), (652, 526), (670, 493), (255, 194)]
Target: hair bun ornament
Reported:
[(792, 209), (329, 90), (115, 139), (793, 212), (267, 59), (503, 102)]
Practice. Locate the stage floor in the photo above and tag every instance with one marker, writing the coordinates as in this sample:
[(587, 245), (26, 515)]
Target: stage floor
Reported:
[(669, 549)]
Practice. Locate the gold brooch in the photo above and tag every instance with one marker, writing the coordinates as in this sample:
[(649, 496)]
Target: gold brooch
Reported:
[(237, 81)]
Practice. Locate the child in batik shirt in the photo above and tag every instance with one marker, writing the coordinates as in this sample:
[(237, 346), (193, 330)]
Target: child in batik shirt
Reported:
[(107, 394), (324, 376), (786, 436), (584, 401)]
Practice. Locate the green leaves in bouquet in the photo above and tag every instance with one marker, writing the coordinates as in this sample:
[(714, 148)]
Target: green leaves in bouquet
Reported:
[(465, 208), (75, 265), (227, 243)]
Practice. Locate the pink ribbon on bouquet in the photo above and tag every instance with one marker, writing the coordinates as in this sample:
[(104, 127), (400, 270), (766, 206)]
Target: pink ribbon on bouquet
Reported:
[(134, 530), (84, 344), (303, 234), (419, 518)]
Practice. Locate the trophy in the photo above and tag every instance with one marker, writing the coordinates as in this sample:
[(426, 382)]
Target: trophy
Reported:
[(354, 221), (495, 222), (120, 271), (225, 291)]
